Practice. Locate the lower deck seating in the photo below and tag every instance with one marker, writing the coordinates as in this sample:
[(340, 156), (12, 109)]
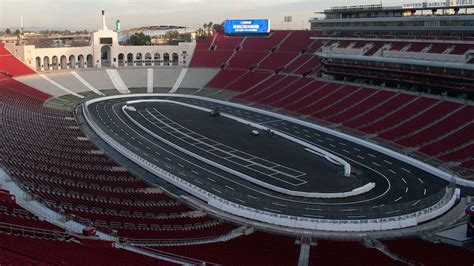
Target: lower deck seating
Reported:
[(83, 184), (347, 253), (246, 59), (255, 249), (247, 81), (225, 77), (428, 253), (206, 58), (14, 218), (20, 250), (281, 83)]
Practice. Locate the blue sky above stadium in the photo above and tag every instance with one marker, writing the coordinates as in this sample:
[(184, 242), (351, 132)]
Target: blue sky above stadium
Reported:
[(84, 14)]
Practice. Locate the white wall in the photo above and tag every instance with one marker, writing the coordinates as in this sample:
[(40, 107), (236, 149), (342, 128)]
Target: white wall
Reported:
[(29, 53)]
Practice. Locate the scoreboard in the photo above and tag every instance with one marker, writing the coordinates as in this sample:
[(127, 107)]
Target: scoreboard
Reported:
[(246, 26)]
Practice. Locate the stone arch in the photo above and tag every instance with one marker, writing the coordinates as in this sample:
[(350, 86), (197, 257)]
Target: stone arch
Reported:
[(38, 63), (46, 63), (80, 61), (139, 59), (72, 61), (129, 59), (54, 62), (157, 59), (174, 59), (105, 56), (63, 62), (121, 59), (148, 59), (166, 59), (89, 60)]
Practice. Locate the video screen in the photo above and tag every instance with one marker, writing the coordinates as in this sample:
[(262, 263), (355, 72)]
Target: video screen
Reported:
[(246, 26)]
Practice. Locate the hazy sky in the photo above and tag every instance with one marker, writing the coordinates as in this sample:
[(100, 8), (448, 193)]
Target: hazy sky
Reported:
[(85, 14)]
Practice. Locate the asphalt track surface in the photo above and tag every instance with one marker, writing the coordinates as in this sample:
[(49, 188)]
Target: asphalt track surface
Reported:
[(271, 159), (400, 188)]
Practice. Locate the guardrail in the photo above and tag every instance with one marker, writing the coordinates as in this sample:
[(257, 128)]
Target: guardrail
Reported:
[(32, 231), (394, 222), (51, 213)]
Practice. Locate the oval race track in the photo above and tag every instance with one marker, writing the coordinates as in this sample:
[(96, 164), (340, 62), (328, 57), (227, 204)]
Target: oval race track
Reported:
[(400, 188)]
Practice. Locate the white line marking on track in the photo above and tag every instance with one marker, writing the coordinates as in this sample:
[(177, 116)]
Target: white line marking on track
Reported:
[(348, 210), (424, 191), (398, 199), (279, 204), (416, 202), (371, 155), (231, 188), (378, 206), (210, 179), (406, 170), (313, 216), (272, 210), (250, 196), (391, 171), (217, 190), (356, 149), (406, 189), (312, 209), (421, 181), (375, 163), (404, 181), (387, 162)]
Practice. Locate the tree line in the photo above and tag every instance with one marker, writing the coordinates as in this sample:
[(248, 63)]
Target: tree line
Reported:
[(207, 30)]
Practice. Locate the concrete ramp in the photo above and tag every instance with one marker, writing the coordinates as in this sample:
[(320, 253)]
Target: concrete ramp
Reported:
[(179, 80), (61, 86), (117, 81), (87, 84)]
